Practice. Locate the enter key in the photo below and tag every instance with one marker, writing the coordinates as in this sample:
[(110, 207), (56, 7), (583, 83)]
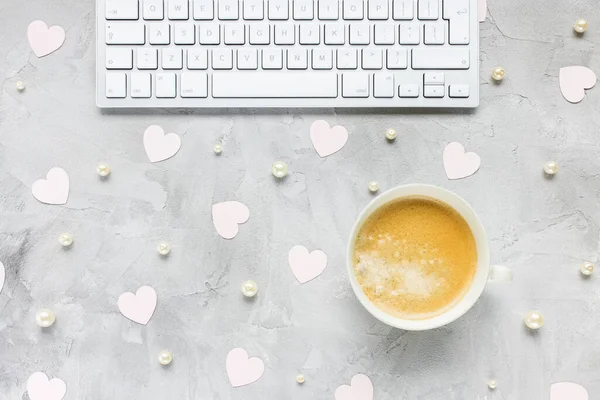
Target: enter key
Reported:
[(457, 14)]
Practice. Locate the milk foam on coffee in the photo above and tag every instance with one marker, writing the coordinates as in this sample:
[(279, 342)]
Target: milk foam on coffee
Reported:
[(415, 258)]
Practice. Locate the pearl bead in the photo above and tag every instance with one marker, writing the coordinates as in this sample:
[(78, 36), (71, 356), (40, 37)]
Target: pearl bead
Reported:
[(390, 134), (165, 357), (279, 169), (492, 384), (20, 86), (551, 167), (498, 73), (65, 239), (218, 148), (580, 26), (249, 288), (163, 248), (103, 170), (587, 268), (373, 186), (45, 318), (300, 378), (534, 320)]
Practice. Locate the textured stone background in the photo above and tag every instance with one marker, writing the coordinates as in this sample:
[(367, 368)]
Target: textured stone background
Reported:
[(541, 228)]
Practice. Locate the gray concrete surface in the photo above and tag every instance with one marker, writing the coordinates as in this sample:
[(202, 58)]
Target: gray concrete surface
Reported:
[(542, 228)]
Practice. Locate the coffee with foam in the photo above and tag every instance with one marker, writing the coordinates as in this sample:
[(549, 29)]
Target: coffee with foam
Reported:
[(415, 258)]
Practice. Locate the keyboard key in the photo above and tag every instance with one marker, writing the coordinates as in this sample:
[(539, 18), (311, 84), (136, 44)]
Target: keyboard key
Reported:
[(278, 10), (258, 84), (222, 59), (194, 85), (122, 9), (260, 34), (141, 85), (335, 34), (147, 58), (253, 10), (383, 84), (355, 85), (118, 58), (166, 85), (116, 85), (353, 9), (303, 9), (460, 91), (408, 90), (234, 34), (433, 78), (172, 58), (204, 10), (435, 34), (125, 33), (360, 34), (178, 9), (440, 58), (285, 34), (347, 59), (372, 59), (328, 9), (410, 33), (197, 59), (378, 9), (457, 14), (159, 33), (297, 59), (385, 33), (433, 91), (403, 10), (228, 10), (397, 59), (247, 59), (153, 9), (185, 34), (272, 59), (429, 9), (322, 59), (209, 34), (310, 34)]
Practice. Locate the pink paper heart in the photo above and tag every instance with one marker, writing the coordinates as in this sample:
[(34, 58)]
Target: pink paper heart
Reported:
[(459, 164), (227, 216), (574, 80), (44, 40), (306, 266), (327, 140), (361, 388), (242, 370), (40, 388), (138, 307), (54, 189), (568, 391), (482, 10), (159, 146), (2, 275)]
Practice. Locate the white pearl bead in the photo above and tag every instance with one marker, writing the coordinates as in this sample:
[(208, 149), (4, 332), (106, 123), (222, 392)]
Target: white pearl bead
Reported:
[(279, 169), (300, 378), (390, 134), (551, 167), (580, 26), (103, 170), (163, 248), (249, 288), (498, 73), (373, 186), (492, 384), (65, 239), (45, 318), (587, 268), (218, 148), (534, 320), (20, 86), (165, 357)]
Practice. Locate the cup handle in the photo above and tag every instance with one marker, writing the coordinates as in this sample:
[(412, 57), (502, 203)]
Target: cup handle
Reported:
[(500, 273)]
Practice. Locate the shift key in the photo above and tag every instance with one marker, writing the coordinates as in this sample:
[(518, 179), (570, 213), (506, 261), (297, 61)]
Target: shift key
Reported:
[(449, 58)]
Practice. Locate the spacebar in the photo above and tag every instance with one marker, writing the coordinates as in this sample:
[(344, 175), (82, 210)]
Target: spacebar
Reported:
[(274, 85)]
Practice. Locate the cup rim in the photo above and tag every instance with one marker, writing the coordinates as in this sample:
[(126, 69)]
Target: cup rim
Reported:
[(483, 257)]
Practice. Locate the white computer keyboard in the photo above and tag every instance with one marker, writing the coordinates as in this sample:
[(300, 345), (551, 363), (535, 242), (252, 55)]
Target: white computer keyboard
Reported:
[(287, 53)]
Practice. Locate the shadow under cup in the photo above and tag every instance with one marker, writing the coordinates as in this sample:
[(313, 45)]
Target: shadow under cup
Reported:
[(483, 256)]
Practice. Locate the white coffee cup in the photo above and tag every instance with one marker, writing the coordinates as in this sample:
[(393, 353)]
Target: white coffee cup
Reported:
[(485, 271)]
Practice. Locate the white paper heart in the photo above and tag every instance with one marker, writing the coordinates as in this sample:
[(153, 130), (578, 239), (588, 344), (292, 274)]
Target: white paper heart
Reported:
[(54, 189), (2, 275), (327, 140), (361, 388), (568, 391), (159, 146), (40, 388), (242, 370), (138, 307), (306, 266), (44, 40), (227, 216), (459, 164), (573, 82)]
